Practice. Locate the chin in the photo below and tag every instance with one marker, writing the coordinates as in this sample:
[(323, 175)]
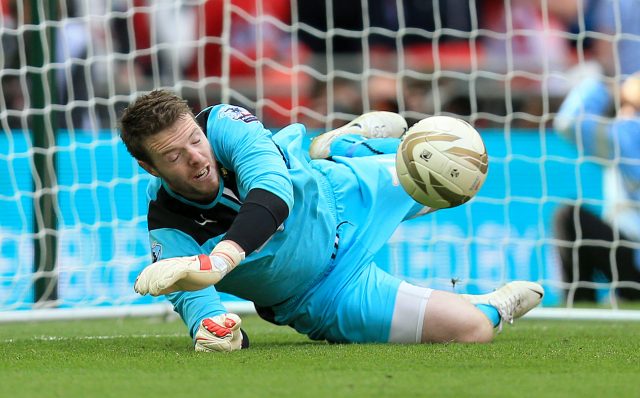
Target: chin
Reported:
[(208, 193)]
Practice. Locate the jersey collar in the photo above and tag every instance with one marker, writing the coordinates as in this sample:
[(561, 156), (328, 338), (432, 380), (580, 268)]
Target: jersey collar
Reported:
[(184, 200)]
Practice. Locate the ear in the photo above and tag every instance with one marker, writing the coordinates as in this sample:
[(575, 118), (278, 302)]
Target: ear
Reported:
[(148, 168)]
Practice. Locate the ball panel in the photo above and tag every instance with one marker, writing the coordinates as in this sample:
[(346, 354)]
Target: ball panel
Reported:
[(413, 148), (446, 191), (442, 162), (477, 160)]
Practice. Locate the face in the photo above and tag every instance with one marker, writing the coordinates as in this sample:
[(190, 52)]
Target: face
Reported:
[(630, 97), (182, 157)]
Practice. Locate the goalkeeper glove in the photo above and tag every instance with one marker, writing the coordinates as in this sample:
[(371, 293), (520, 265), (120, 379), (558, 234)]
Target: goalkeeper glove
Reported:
[(221, 333), (188, 273)]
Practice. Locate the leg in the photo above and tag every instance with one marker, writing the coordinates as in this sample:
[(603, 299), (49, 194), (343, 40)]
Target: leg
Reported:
[(422, 315), (369, 305), (378, 307), (581, 263), (374, 201), (442, 317), (355, 146), (350, 140), (450, 318), (573, 270)]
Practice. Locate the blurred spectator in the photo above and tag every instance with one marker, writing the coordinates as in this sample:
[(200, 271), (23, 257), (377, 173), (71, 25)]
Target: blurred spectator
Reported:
[(414, 25), (332, 103), (260, 53), (620, 53), (581, 17), (12, 97), (8, 15), (529, 44), (383, 93), (605, 32), (169, 28), (531, 37), (73, 78), (342, 14), (349, 15), (88, 68), (254, 32), (592, 247)]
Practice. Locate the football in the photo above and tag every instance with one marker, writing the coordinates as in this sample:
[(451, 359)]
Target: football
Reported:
[(442, 162)]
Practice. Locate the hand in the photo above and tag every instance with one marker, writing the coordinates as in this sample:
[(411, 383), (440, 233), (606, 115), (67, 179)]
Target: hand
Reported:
[(219, 333), (181, 274), (189, 273)]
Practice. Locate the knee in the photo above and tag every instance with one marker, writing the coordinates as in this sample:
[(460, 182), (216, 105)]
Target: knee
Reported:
[(449, 318), (479, 330)]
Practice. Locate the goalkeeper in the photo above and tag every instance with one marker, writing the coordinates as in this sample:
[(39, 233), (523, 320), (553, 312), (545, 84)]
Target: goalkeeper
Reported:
[(235, 209), (611, 241)]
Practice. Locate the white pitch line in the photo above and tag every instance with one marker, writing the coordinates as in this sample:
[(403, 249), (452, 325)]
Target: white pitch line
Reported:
[(113, 337)]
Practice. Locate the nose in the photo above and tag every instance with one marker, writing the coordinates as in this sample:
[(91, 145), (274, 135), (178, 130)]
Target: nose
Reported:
[(195, 157)]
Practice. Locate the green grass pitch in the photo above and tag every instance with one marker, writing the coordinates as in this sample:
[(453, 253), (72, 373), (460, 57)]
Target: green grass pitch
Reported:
[(153, 358)]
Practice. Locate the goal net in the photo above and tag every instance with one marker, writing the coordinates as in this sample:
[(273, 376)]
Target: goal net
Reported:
[(72, 201)]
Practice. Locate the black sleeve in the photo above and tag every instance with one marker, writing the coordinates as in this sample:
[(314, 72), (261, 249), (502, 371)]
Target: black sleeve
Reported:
[(260, 216)]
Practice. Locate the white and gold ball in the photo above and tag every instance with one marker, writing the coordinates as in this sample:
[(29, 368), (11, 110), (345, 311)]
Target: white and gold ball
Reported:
[(442, 162)]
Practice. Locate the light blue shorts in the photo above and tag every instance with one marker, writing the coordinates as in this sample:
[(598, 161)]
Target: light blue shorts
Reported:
[(355, 300)]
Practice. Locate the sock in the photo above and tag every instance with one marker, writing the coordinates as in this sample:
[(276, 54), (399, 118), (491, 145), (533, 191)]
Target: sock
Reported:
[(353, 146), (490, 312), (375, 146), (342, 146)]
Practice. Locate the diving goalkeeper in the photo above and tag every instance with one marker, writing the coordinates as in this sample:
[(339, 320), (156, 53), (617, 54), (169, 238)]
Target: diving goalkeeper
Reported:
[(235, 209)]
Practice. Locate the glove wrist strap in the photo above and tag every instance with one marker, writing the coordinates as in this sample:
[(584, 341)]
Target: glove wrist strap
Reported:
[(229, 253)]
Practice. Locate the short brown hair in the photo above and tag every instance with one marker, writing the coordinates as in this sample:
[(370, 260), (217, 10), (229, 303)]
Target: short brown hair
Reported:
[(148, 115)]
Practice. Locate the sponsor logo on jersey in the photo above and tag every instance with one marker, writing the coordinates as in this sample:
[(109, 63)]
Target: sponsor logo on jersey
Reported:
[(204, 221), (156, 251), (237, 113)]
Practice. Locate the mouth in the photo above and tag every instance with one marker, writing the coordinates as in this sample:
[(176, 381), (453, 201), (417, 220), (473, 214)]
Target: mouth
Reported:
[(202, 174)]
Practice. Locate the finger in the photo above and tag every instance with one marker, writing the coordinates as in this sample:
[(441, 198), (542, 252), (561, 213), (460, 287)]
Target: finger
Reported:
[(166, 280), (233, 321), (215, 328), (160, 287), (141, 286)]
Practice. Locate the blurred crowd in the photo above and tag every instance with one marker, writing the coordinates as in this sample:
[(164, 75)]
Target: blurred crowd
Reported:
[(497, 61)]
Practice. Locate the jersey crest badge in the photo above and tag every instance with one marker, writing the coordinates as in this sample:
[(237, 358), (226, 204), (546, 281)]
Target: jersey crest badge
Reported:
[(237, 113), (156, 251)]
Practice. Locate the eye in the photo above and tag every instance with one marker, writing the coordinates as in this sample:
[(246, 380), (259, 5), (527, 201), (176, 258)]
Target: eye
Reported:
[(197, 141), (174, 157)]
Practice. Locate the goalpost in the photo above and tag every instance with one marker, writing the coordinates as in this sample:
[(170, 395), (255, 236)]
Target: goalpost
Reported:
[(72, 201)]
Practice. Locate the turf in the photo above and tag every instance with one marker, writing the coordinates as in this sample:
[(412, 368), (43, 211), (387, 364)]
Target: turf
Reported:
[(152, 358)]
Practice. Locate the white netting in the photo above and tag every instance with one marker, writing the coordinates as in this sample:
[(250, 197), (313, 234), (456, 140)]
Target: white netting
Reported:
[(504, 66)]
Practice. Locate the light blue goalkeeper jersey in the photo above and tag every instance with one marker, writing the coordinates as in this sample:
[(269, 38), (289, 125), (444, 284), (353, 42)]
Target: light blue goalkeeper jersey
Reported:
[(292, 259), (316, 273), (582, 120)]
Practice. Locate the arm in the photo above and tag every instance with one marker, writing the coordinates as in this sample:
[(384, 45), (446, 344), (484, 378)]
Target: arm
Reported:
[(242, 145), (580, 118), (188, 273), (260, 216), (624, 134), (209, 323)]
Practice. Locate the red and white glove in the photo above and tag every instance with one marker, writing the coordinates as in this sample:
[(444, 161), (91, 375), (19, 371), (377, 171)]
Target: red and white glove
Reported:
[(219, 333), (188, 273)]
